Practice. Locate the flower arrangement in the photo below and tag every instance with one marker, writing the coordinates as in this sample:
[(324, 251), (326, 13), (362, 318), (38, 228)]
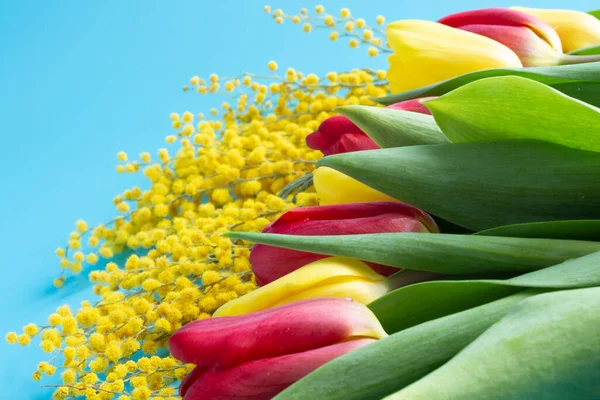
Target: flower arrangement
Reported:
[(445, 247)]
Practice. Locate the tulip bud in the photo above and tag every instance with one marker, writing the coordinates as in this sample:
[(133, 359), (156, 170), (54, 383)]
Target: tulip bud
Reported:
[(270, 263), (263, 379), (575, 29), (333, 187), (533, 40), (328, 277), (340, 135), (428, 52), (258, 355), (414, 105)]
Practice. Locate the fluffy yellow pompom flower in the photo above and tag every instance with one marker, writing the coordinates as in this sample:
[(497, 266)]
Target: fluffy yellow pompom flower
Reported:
[(427, 52), (333, 187), (31, 329), (223, 172), (24, 339), (81, 226), (11, 337)]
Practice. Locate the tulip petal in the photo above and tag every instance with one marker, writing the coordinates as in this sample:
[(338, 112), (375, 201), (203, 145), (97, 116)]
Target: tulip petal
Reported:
[(304, 220), (508, 18), (533, 51), (352, 142), (337, 126), (414, 105), (338, 219), (292, 328), (330, 138), (334, 187), (319, 141), (189, 380), (428, 52), (265, 378), (318, 279), (575, 29)]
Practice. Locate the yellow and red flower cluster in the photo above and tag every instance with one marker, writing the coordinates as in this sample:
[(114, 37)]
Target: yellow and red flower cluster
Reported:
[(226, 175), (425, 53)]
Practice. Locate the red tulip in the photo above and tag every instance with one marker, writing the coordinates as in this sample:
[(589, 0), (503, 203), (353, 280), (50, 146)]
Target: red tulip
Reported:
[(263, 379), (270, 263), (413, 105), (533, 40), (255, 356), (340, 135)]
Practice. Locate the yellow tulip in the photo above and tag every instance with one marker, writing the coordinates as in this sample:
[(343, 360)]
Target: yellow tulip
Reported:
[(329, 277), (428, 52), (333, 187), (576, 29)]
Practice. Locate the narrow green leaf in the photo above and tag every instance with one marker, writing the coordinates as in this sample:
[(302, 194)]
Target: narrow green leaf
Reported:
[(392, 363), (394, 128), (421, 302), (546, 75), (546, 348), (483, 185), (512, 107), (588, 92), (595, 13), (440, 253), (586, 51), (573, 230), (575, 273)]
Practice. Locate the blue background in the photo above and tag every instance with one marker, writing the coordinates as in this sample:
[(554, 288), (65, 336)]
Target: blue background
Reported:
[(82, 80)]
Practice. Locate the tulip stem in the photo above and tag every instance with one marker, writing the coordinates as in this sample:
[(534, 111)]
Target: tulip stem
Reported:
[(567, 59), (408, 277)]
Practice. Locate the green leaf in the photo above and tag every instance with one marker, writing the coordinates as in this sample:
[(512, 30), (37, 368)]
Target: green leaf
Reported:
[(546, 348), (588, 92), (586, 51), (573, 230), (421, 302), (512, 107), (595, 13), (547, 75), (440, 253), (483, 185), (390, 364), (576, 273), (394, 128)]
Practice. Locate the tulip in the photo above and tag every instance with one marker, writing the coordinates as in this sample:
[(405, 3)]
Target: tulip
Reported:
[(329, 277), (333, 187), (533, 40), (340, 135), (263, 379), (258, 355), (414, 105), (270, 263), (576, 29), (429, 52)]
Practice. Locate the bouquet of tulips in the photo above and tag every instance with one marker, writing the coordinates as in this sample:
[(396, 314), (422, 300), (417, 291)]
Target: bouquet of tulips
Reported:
[(455, 253)]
